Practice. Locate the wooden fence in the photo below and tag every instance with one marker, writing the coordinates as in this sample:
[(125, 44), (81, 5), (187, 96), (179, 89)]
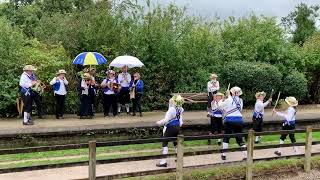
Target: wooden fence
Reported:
[(92, 145)]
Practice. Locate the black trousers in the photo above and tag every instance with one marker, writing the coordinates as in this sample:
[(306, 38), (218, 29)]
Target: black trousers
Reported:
[(291, 135), (171, 131), (216, 125), (210, 98), (233, 128), (109, 100), (124, 96), (136, 103), (27, 103), (60, 103), (257, 124), (37, 98), (85, 105)]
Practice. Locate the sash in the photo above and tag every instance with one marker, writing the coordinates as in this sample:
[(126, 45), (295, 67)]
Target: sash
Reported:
[(238, 107)]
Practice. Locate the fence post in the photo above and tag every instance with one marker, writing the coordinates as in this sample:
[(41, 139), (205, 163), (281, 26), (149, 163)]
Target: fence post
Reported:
[(308, 147), (179, 175), (249, 167), (92, 160)]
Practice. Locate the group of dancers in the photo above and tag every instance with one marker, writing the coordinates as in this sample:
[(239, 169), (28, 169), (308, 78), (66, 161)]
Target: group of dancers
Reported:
[(118, 91), (225, 112)]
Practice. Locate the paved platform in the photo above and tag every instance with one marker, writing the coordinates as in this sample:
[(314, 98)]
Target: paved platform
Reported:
[(73, 123)]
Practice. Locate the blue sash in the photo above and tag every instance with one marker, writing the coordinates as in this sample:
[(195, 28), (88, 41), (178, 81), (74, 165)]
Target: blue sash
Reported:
[(175, 121)]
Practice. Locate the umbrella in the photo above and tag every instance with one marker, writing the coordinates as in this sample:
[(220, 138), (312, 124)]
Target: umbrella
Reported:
[(129, 61), (90, 58)]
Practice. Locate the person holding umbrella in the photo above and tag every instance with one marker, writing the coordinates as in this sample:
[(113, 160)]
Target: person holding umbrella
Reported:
[(59, 84), (124, 79)]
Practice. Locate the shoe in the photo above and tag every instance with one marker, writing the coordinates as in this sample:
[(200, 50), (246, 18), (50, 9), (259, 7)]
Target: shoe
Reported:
[(40, 117), (208, 115), (83, 117), (128, 113), (140, 114), (162, 165), (133, 114), (244, 159), (28, 123), (219, 143), (223, 157), (57, 117), (278, 153), (256, 142)]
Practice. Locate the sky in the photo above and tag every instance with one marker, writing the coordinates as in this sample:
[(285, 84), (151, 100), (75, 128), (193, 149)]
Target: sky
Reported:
[(237, 8)]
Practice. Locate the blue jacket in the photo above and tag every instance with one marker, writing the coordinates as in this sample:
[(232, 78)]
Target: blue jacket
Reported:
[(139, 86)]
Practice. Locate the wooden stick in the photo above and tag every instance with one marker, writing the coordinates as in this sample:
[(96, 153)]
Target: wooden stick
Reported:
[(276, 102)]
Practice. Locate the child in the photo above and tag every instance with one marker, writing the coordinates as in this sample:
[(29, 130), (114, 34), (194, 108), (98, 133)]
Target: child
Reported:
[(289, 122), (216, 115), (172, 123), (258, 113)]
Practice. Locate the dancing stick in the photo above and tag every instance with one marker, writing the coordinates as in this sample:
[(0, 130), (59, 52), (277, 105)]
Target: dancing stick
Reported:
[(276, 102)]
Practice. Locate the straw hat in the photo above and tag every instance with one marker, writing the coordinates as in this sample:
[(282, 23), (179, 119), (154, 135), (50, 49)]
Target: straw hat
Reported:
[(177, 100), (213, 75), (61, 71), (219, 94), (29, 68), (258, 94), (236, 91), (110, 72), (291, 101), (87, 76)]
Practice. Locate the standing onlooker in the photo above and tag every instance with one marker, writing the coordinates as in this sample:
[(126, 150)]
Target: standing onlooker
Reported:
[(213, 87), (93, 90), (85, 100), (137, 88), (124, 78), (109, 86), (59, 85)]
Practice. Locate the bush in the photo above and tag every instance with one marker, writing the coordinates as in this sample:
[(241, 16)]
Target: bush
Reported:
[(295, 84)]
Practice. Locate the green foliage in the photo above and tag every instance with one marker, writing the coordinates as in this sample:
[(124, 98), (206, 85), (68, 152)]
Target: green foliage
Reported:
[(295, 84)]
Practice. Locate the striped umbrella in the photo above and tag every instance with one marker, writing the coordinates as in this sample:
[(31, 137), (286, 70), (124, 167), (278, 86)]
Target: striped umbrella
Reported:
[(90, 58)]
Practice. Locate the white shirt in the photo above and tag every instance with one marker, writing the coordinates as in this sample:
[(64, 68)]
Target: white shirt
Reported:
[(85, 86), (213, 86), (171, 114), (104, 83), (62, 90), (25, 81), (229, 105), (216, 106), (124, 79), (290, 114), (259, 106)]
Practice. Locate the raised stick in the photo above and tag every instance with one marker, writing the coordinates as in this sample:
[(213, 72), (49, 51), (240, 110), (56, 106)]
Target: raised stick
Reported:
[(276, 102)]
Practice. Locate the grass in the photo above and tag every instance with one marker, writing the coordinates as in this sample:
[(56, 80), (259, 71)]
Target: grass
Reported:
[(74, 155)]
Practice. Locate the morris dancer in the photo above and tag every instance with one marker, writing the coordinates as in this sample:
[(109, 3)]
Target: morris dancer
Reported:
[(258, 113), (26, 82), (85, 100), (124, 95), (36, 96), (109, 96), (60, 91), (172, 123), (216, 115), (213, 87), (137, 87), (289, 122), (93, 90), (233, 120)]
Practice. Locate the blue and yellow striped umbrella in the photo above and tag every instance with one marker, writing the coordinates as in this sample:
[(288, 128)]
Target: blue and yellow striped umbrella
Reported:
[(90, 58)]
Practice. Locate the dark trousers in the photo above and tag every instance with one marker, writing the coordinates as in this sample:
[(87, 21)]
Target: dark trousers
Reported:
[(210, 98), (257, 124), (233, 128), (60, 102), (109, 100), (85, 105), (124, 96), (171, 131), (291, 135), (216, 125), (37, 98), (136, 103), (27, 103)]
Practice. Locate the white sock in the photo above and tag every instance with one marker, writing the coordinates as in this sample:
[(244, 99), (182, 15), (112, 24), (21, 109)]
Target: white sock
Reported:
[(224, 146), (164, 151), (257, 139), (119, 108), (244, 152), (25, 117), (127, 107), (219, 140)]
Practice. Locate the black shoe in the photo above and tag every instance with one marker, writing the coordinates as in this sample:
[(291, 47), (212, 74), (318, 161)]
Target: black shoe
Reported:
[(57, 117), (89, 117), (244, 159), (256, 142), (40, 117), (128, 113), (162, 165), (277, 153), (140, 114), (28, 123), (83, 117), (219, 143), (133, 114), (223, 157)]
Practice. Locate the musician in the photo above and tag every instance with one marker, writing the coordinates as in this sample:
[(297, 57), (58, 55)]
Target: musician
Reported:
[(93, 91), (137, 88), (110, 87), (59, 84), (258, 113), (233, 122), (172, 122), (216, 115), (212, 87), (85, 100), (26, 82), (289, 122), (124, 79)]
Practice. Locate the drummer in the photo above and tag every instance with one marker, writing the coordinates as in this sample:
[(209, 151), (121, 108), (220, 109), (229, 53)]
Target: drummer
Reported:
[(124, 78)]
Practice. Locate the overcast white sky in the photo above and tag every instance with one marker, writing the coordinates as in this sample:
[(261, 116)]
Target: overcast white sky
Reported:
[(237, 8)]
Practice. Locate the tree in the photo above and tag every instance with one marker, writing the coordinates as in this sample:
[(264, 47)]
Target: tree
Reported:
[(301, 22)]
